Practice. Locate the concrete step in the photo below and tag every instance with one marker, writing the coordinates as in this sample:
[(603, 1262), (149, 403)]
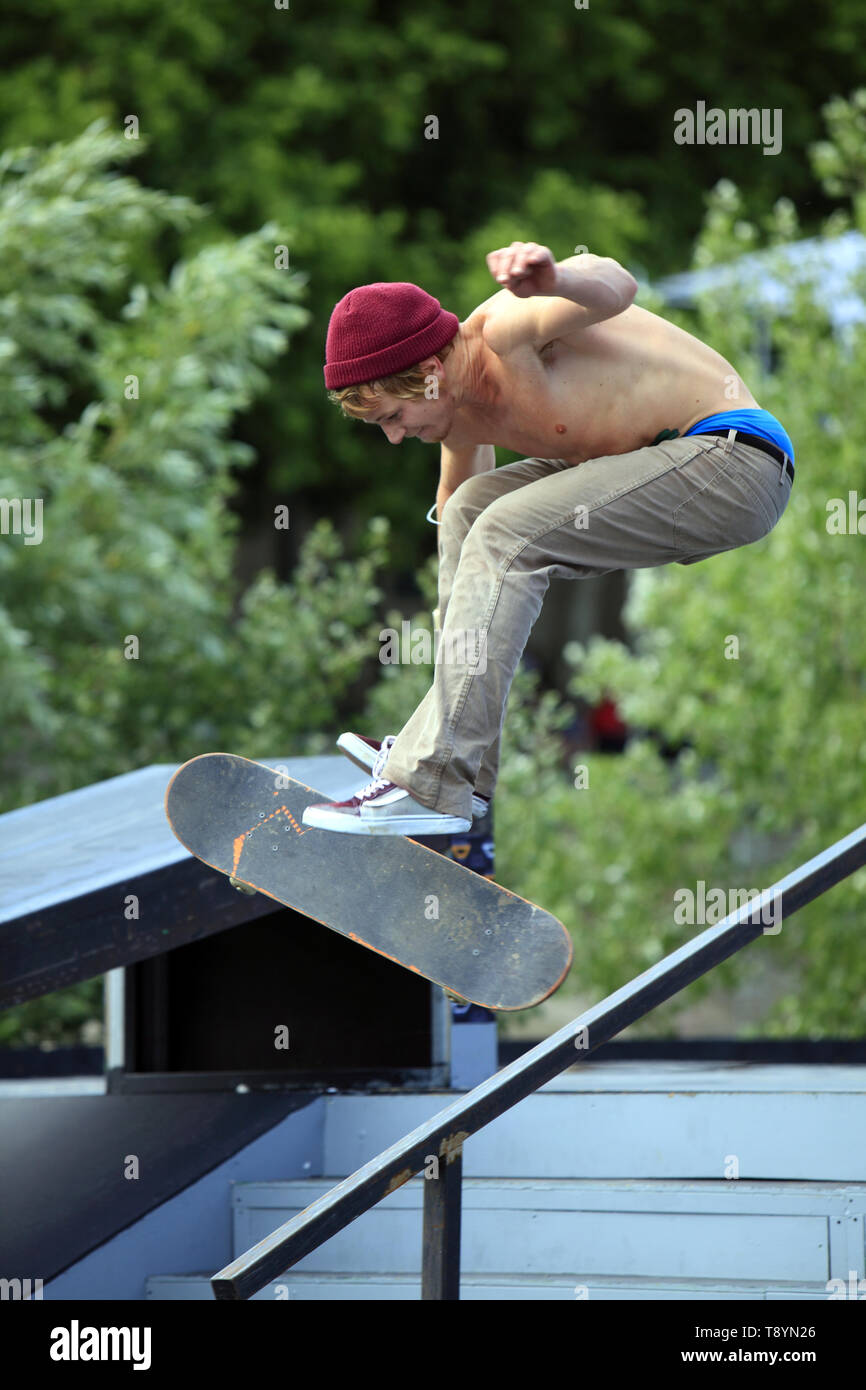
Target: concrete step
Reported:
[(800, 1234), (637, 1120), (393, 1288)]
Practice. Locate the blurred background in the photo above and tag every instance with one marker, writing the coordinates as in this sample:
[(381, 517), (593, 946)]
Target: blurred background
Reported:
[(187, 188)]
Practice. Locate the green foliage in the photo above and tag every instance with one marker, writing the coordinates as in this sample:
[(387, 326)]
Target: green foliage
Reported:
[(840, 161), (554, 123), (302, 645), (559, 212), (118, 399), (139, 541), (66, 1017)]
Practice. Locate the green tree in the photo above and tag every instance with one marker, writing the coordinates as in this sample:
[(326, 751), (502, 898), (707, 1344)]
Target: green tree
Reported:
[(123, 633), (553, 122)]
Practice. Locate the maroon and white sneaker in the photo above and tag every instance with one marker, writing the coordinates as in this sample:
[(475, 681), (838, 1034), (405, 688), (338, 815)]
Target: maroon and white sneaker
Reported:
[(381, 808), (364, 753)]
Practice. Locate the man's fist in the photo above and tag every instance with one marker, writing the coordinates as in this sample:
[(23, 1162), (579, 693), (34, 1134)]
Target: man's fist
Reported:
[(525, 268)]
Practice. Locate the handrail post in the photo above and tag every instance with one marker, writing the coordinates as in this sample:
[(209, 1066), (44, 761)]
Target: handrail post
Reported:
[(440, 1261)]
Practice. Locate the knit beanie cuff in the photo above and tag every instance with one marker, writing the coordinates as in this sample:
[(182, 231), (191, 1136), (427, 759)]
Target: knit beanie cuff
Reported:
[(378, 330)]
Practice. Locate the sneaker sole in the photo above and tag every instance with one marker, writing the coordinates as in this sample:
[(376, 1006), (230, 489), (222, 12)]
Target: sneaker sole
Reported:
[(395, 825)]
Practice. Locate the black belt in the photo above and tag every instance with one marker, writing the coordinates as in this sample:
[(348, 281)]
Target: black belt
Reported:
[(758, 443)]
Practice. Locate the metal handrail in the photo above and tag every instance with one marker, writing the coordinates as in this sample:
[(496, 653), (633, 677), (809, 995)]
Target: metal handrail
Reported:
[(444, 1135)]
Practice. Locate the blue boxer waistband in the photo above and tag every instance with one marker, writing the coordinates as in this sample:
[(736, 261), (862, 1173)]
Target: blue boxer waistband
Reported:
[(756, 422), (756, 427)]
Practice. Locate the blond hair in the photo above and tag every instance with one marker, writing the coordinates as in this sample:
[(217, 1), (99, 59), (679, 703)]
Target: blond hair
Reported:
[(406, 385)]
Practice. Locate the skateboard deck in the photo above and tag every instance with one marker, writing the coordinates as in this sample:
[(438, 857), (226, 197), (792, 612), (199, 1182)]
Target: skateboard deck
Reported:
[(407, 902)]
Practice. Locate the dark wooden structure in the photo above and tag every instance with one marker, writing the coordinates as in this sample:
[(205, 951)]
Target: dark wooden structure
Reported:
[(94, 881)]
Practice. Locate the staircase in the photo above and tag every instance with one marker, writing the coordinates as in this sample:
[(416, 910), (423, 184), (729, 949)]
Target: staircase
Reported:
[(615, 1181)]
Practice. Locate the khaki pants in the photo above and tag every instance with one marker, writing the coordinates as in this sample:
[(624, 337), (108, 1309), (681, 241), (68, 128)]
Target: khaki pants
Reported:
[(505, 534)]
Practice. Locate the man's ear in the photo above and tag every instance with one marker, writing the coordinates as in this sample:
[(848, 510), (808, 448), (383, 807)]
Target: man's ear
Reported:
[(433, 369)]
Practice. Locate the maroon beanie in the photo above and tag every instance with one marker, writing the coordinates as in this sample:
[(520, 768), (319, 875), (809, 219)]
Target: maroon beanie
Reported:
[(377, 330)]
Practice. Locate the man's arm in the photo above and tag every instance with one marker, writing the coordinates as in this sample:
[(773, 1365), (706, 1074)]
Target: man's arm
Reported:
[(549, 299), (458, 465)]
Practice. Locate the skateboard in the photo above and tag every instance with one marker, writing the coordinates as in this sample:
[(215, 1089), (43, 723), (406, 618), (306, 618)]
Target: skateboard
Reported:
[(389, 893)]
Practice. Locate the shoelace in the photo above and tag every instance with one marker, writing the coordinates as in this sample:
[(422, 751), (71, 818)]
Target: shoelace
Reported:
[(373, 788), (382, 755), (378, 783)]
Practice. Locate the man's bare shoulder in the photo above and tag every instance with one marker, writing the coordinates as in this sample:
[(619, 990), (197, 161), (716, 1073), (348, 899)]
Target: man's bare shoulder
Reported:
[(487, 310), (499, 322)]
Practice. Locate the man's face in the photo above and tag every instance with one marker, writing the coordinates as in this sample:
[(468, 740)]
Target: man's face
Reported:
[(427, 420)]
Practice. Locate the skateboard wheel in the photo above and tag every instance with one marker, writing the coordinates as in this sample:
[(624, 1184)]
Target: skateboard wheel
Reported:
[(241, 887)]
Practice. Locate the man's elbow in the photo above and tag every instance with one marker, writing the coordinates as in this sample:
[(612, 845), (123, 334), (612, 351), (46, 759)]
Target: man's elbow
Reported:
[(619, 283)]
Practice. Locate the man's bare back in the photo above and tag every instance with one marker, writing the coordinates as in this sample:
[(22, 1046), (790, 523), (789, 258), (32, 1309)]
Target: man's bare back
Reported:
[(607, 389)]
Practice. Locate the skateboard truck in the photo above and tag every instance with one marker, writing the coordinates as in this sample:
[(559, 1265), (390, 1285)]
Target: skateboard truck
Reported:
[(242, 887)]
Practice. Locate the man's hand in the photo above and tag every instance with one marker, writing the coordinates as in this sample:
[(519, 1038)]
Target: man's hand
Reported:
[(525, 268)]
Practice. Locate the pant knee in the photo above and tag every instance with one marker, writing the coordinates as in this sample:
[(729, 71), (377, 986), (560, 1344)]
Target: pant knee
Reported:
[(462, 509), (497, 532)]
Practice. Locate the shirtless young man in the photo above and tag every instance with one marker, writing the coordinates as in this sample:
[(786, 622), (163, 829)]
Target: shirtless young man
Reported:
[(634, 458)]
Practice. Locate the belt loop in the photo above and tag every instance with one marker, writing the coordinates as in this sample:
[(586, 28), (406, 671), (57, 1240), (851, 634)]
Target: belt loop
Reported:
[(729, 442), (782, 469)]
